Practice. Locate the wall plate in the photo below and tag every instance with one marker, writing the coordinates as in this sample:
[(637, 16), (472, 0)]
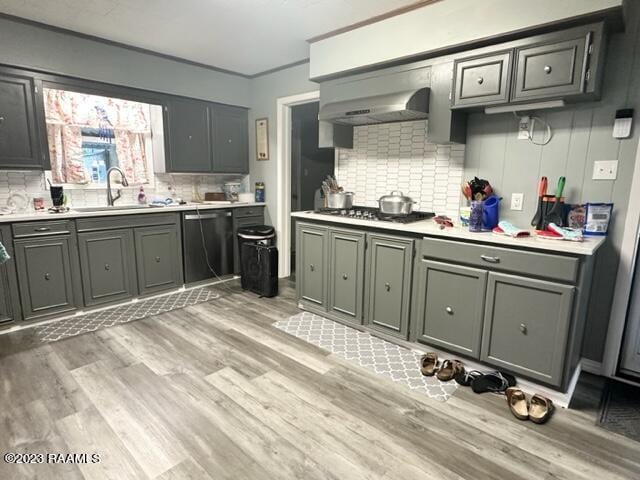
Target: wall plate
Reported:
[(517, 199), (605, 170)]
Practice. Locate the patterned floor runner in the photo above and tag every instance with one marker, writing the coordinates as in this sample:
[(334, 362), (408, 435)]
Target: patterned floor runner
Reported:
[(90, 322), (385, 358)]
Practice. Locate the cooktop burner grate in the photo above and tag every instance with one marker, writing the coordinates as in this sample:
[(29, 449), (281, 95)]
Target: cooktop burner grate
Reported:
[(374, 214)]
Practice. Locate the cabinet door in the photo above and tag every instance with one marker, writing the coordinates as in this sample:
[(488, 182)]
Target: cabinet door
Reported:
[(311, 263), (389, 283), (450, 306), (158, 258), (45, 276), (107, 262), (346, 274), (188, 136), (526, 326), (19, 141), (551, 69), (482, 81), (8, 289), (230, 139)]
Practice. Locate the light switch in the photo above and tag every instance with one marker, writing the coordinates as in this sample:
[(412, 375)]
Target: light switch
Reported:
[(516, 201), (605, 170)]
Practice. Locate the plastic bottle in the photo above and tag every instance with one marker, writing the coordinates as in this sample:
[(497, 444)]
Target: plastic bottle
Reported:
[(142, 197)]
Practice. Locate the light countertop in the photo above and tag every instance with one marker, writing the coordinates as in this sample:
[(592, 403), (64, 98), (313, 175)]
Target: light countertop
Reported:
[(45, 215), (432, 229)]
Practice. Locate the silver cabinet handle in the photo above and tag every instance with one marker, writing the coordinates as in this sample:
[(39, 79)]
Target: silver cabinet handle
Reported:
[(387, 286), (547, 69), (312, 268), (206, 216), (344, 276), (47, 276), (229, 141), (480, 80), (107, 266), (449, 310), (41, 229), (489, 259), (523, 328), (157, 259), (1, 119)]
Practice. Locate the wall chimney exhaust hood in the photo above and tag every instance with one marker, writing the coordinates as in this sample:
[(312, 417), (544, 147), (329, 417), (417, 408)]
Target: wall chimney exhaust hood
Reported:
[(392, 107)]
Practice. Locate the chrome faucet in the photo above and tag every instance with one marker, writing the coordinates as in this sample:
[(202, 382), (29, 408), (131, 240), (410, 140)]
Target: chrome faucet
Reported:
[(110, 198)]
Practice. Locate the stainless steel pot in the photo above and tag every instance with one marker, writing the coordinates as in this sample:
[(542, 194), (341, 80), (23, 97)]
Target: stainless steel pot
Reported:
[(340, 200), (396, 204)]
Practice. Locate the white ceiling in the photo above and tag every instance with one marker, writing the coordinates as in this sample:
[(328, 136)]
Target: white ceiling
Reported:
[(246, 36)]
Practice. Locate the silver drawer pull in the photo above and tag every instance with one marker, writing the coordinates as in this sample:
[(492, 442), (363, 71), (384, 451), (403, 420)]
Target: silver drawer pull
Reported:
[(387, 286), (1, 119), (107, 266), (489, 259), (480, 80), (41, 229), (312, 268), (547, 69), (157, 259), (523, 328), (47, 276), (449, 310), (344, 276)]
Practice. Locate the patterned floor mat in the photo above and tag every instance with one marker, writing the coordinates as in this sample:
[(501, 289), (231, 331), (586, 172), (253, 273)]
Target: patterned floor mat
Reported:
[(90, 322), (385, 358), (620, 411)]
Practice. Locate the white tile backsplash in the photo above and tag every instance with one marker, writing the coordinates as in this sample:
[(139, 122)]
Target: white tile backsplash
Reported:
[(187, 187), (398, 156)]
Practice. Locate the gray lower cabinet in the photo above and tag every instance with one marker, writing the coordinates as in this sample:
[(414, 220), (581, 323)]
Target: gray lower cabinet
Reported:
[(449, 306), (9, 301), (107, 263), (346, 274), (311, 263), (527, 326), (158, 258), (45, 275), (388, 283)]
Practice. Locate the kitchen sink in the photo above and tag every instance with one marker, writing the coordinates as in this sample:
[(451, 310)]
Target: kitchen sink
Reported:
[(109, 208)]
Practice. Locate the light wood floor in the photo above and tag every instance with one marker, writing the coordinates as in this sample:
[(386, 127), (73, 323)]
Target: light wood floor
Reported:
[(215, 392)]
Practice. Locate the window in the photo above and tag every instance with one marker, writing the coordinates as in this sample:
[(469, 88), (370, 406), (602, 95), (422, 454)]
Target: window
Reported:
[(88, 134)]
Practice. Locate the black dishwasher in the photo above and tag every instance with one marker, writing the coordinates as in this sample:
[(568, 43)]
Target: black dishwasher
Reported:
[(207, 244)]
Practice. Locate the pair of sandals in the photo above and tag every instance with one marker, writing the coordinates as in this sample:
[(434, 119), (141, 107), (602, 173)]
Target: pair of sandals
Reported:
[(539, 409), (445, 371)]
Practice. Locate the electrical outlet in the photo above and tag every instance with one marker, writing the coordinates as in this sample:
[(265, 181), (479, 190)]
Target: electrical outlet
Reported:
[(605, 170), (523, 128), (516, 201)]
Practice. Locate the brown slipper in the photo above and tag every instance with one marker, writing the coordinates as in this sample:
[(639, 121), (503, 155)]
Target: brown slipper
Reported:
[(541, 409), (429, 364), (449, 369), (517, 403)]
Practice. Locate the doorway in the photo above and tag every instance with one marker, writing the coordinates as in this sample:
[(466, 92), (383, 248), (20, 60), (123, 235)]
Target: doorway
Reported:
[(309, 164)]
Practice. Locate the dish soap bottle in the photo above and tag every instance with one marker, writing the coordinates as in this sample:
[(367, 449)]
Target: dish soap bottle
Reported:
[(142, 197)]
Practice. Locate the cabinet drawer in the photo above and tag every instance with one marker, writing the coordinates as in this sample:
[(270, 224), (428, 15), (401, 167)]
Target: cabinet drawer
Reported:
[(483, 80), (36, 229), (450, 306), (551, 69), (527, 326), (126, 221), (241, 212), (556, 267)]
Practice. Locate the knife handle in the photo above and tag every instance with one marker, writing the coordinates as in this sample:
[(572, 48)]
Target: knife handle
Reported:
[(542, 187)]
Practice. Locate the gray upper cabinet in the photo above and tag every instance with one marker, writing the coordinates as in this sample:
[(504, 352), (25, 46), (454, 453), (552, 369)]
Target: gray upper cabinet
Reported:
[(158, 258), (483, 80), (188, 140), (107, 265), (449, 308), (230, 139), (388, 283), (311, 263), (346, 274), (45, 275), (551, 69), (527, 326), (19, 133)]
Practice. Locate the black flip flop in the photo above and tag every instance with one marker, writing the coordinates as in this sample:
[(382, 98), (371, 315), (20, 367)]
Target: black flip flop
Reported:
[(493, 382), (465, 378)]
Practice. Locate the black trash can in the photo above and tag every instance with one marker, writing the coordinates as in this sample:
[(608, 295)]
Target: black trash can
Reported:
[(258, 260)]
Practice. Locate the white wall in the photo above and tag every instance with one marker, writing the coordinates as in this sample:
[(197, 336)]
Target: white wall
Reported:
[(439, 25)]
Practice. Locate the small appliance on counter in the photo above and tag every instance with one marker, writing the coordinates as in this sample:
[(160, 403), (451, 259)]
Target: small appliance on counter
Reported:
[(231, 191), (258, 260)]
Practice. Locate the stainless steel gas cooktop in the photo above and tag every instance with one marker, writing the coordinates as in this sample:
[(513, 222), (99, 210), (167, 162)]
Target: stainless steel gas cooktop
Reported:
[(372, 213)]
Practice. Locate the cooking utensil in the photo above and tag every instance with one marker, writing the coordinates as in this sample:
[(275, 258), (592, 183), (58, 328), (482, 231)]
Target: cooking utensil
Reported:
[(396, 203), (542, 191), (555, 215), (340, 200)]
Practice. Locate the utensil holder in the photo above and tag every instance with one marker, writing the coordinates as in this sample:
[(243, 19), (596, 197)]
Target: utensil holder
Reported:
[(475, 218)]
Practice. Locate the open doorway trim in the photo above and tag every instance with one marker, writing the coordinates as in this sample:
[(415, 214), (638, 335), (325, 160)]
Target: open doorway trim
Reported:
[(283, 174), (624, 279)]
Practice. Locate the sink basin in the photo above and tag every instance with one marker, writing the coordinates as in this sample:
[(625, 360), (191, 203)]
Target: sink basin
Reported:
[(114, 208)]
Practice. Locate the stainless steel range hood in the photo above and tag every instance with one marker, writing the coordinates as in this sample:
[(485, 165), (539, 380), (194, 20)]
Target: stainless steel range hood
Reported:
[(392, 107)]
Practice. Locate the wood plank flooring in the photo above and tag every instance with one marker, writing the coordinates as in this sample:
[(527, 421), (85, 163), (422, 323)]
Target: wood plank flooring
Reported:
[(215, 392)]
